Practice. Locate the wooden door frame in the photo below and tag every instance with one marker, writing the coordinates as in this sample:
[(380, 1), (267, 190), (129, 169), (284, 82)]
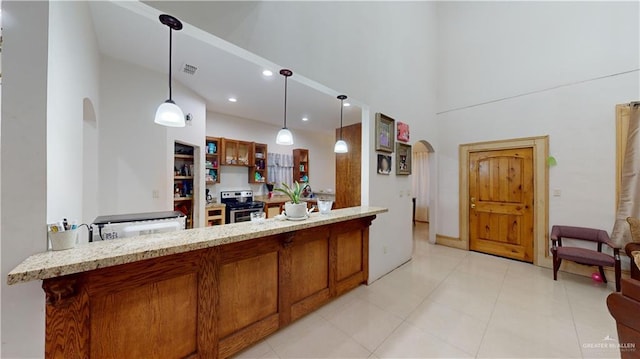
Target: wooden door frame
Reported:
[(540, 146)]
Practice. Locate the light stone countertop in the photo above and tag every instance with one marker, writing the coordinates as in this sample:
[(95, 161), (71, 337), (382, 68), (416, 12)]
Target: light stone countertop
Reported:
[(90, 256)]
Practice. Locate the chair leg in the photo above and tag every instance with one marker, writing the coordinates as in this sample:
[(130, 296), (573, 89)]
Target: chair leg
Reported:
[(604, 277), (617, 273), (556, 264)]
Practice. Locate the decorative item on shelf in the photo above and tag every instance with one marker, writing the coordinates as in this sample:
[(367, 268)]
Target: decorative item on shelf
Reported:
[(211, 148), (284, 136), (168, 113), (341, 146), (384, 133)]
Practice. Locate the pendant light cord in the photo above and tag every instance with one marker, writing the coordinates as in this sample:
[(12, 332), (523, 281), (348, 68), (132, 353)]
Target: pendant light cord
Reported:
[(341, 108), (170, 48), (285, 101)]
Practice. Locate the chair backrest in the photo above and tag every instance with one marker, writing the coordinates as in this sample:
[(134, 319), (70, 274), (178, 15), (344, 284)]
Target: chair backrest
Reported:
[(587, 234), (634, 228)]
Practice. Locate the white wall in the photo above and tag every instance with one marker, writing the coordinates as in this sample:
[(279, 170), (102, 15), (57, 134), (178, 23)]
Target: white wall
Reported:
[(320, 145), (73, 76), (517, 48), (24, 199), (136, 155), (378, 53)]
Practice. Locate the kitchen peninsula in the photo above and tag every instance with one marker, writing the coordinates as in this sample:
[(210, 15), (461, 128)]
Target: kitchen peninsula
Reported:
[(199, 293)]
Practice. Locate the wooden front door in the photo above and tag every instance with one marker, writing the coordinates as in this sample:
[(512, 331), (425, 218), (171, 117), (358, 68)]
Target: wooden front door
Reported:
[(501, 203)]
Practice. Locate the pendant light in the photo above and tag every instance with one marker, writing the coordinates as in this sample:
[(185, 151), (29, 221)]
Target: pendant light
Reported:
[(168, 113), (284, 136), (341, 146)]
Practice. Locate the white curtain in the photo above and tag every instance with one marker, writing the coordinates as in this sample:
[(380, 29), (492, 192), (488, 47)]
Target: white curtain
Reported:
[(629, 201), (421, 185), (280, 168)]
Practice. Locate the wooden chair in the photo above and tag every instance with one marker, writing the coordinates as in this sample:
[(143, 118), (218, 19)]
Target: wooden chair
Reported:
[(584, 255), (624, 307), (634, 247)]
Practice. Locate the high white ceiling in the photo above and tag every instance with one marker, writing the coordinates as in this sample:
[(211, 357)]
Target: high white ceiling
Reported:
[(131, 31)]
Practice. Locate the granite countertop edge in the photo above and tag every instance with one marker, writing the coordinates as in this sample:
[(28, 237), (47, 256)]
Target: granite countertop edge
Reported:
[(91, 256)]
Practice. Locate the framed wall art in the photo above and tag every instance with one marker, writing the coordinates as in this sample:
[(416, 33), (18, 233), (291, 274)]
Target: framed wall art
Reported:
[(384, 164), (385, 128), (403, 159), (403, 132)]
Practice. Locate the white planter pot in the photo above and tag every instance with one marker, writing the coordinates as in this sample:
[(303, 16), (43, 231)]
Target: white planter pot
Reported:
[(295, 210)]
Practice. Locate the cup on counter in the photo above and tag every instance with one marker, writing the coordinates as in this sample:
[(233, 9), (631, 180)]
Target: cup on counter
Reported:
[(63, 240), (258, 217), (324, 206)]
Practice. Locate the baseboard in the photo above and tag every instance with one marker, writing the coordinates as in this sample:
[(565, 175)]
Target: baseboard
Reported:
[(451, 242)]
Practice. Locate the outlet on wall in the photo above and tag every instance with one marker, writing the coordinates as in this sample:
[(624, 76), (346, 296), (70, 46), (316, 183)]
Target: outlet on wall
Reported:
[(155, 194), (384, 250)]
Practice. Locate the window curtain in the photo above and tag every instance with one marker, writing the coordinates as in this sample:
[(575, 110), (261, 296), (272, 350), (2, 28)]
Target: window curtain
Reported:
[(280, 168), (421, 185), (629, 201)]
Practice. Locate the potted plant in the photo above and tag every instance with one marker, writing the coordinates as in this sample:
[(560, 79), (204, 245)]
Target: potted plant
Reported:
[(294, 208)]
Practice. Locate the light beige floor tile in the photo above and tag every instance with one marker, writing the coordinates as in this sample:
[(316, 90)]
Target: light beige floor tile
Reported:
[(260, 350), (547, 335), (322, 341), (450, 325), (337, 304), (366, 323), (546, 302), (473, 304), (295, 330), (598, 342), (387, 297), (409, 341), (410, 282)]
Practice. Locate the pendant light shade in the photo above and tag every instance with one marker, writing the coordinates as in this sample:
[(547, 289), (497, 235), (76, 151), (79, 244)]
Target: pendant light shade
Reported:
[(168, 113), (285, 137), (341, 146)]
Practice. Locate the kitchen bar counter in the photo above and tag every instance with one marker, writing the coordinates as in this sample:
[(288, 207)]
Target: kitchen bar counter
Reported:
[(199, 293), (103, 254)]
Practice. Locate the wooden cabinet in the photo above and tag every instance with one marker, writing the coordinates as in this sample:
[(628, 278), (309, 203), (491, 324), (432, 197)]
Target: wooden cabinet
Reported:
[(301, 165), (258, 163), (183, 169), (236, 153), (215, 215), (212, 164), (208, 303)]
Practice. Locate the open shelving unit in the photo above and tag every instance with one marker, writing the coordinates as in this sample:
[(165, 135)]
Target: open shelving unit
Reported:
[(301, 165), (183, 190), (258, 165), (212, 160)]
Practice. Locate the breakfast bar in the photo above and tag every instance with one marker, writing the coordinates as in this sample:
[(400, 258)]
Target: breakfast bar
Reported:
[(199, 293)]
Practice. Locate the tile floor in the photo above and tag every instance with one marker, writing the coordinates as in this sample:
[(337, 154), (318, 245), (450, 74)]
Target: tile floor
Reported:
[(449, 303)]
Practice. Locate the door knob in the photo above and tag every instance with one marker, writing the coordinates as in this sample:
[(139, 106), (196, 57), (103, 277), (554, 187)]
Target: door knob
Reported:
[(473, 200), (473, 205)]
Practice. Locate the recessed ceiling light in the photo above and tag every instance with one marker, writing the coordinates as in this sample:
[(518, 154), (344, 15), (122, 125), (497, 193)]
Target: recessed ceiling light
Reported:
[(346, 104), (267, 73), (233, 99), (305, 119)]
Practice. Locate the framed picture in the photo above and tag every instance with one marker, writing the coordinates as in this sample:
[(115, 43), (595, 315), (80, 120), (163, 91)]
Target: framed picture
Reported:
[(384, 164), (385, 127), (403, 132), (403, 159)]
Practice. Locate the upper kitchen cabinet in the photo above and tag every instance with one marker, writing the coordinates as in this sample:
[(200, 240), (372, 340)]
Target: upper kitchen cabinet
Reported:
[(258, 166), (236, 153), (212, 148), (301, 165)]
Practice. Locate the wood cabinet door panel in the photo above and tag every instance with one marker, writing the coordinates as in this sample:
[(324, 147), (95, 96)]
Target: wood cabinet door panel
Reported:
[(155, 320), (248, 292), (349, 254)]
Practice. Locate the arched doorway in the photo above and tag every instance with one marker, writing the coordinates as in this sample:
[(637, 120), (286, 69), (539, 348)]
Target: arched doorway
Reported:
[(423, 185)]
